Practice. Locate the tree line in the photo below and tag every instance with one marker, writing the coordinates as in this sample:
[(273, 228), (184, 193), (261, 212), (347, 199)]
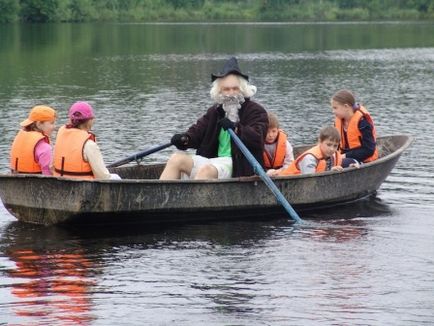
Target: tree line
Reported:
[(212, 10)]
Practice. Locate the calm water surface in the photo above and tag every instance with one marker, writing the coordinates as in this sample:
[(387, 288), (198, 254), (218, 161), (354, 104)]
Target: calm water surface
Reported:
[(370, 263)]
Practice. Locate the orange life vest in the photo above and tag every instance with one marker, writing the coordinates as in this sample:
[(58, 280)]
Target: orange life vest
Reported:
[(353, 134), (316, 152), (22, 156), (68, 154), (277, 161)]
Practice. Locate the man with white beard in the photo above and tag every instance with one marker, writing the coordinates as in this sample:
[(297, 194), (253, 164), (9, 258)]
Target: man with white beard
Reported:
[(217, 157)]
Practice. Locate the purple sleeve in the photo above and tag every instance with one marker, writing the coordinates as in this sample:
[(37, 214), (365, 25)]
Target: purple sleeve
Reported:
[(43, 156)]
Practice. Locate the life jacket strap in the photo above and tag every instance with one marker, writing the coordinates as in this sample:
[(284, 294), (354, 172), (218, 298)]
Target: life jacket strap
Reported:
[(20, 172), (63, 172)]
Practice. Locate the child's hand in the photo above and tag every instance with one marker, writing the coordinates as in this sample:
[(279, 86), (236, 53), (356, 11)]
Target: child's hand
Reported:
[(337, 168), (355, 165), (272, 172)]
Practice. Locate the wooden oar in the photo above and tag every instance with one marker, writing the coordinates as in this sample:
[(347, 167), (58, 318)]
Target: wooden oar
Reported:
[(267, 180), (138, 156)]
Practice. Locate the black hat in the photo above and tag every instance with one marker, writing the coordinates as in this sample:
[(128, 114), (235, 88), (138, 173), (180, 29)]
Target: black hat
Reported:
[(230, 67)]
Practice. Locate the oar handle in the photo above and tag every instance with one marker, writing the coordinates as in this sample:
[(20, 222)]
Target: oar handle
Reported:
[(139, 155), (263, 175)]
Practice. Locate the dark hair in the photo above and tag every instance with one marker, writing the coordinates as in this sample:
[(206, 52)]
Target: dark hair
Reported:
[(329, 133), (344, 96), (31, 127), (76, 123), (273, 122), (77, 119)]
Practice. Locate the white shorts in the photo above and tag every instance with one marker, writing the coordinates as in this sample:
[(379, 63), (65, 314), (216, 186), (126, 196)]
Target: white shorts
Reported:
[(222, 164)]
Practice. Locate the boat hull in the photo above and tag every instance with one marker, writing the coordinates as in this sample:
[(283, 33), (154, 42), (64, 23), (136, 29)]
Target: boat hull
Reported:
[(145, 199)]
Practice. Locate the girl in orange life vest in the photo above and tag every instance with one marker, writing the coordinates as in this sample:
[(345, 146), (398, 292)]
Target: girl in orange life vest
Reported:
[(31, 149), (355, 125), (322, 157), (278, 152), (76, 154)]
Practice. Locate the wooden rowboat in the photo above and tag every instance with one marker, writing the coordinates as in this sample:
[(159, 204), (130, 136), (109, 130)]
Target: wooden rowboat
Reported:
[(141, 198)]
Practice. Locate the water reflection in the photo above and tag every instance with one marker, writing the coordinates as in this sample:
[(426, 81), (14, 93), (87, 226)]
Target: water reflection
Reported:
[(367, 207), (242, 233), (347, 222), (54, 276), (51, 282), (216, 273)]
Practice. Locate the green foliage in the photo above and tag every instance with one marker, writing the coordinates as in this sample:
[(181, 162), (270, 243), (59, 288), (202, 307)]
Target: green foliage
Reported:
[(41, 11), (185, 3), (8, 11), (353, 14), (208, 10), (81, 10)]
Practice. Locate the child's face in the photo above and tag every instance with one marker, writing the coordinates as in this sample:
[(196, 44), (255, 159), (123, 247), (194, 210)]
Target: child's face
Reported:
[(341, 111), (91, 123), (88, 124), (271, 135), (328, 147), (46, 127)]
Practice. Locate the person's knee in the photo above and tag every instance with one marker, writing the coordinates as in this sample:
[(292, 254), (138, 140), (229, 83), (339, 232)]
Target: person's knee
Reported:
[(176, 159), (207, 172), (180, 161)]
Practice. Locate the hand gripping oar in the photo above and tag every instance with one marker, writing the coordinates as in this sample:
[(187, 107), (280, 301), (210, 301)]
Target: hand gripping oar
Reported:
[(260, 171), (138, 156)]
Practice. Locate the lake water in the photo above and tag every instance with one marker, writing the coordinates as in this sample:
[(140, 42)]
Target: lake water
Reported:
[(369, 263)]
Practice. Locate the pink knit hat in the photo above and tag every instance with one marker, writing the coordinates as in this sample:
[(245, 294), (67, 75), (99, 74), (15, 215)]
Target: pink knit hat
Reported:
[(80, 111)]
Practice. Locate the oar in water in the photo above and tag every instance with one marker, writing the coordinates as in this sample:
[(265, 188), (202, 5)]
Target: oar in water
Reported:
[(267, 180), (139, 155)]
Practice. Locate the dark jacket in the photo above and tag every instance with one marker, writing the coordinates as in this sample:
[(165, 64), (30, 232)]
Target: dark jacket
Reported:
[(252, 129)]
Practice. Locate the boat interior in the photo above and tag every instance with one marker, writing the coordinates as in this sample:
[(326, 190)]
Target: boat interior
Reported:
[(386, 146)]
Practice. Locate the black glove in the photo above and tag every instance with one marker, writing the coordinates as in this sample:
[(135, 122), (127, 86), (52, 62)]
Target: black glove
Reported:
[(226, 124), (180, 141)]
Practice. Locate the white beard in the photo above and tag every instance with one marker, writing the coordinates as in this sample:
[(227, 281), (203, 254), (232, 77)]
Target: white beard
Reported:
[(231, 104)]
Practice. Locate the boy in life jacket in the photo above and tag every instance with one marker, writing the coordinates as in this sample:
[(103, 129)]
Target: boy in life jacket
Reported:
[(322, 157), (278, 152), (76, 153), (31, 148), (356, 128)]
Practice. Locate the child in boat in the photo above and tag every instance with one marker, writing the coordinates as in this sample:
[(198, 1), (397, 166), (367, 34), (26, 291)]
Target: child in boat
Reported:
[(76, 153), (278, 152), (31, 151), (356, 128), (322, 157)]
